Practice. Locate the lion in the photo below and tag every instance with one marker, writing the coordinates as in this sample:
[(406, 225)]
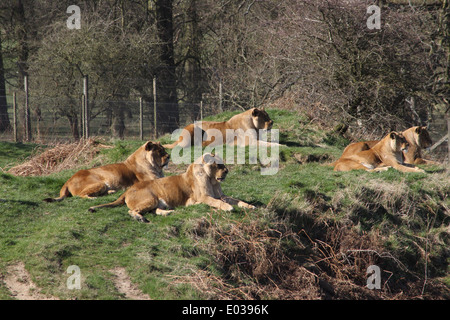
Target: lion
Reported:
[(199, 184), (388, 152), (146, 163), (245, 126), (418, 138)]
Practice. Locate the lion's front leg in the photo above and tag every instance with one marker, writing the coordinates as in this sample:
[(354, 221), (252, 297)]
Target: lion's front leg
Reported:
[(426, 161), (163, 212), (404, 168), (239, 203), (216, 203)]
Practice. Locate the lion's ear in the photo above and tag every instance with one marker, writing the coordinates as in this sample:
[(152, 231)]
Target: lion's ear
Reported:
[(418, 130), (255, 112), (207, 159), (198, 170), (393, 135), (149, 146)]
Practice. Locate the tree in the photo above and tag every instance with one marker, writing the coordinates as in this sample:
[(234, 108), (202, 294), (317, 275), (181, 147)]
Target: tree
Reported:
[(168, 112), (188, 52), (4, 118), (317, 53), (238, 52), (370, 80), (101, 50)]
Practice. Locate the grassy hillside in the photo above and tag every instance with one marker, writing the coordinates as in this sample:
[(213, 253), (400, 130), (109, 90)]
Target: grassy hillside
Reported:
[(313, 235)]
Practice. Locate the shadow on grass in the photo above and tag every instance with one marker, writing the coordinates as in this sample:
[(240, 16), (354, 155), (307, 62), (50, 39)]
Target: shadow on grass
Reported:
[(21, 202)]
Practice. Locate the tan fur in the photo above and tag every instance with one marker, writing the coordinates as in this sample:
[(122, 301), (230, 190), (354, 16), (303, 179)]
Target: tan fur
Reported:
[(145, 163), (384, 154), (355, 147), (417, 137), (254, 119), (199, 184)]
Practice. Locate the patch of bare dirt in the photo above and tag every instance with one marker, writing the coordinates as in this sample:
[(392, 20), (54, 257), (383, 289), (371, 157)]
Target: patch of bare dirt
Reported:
[(123, 283), (19, 283)]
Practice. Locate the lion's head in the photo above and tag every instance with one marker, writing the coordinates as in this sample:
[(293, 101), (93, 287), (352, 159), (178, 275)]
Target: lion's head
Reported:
[(261, 119), (156, 154), (420, 137), (214, 167), (398, 142)]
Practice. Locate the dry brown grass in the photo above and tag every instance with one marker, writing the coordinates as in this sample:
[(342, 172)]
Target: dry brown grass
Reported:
[(61, 156), (253, 263), (319, 247)]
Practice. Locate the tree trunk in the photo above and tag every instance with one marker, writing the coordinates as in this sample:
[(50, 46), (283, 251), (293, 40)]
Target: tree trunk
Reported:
[(4, 118), (21, 31), (118, 122), (21, 37), (192, 65), (73, 122), (167, 101)]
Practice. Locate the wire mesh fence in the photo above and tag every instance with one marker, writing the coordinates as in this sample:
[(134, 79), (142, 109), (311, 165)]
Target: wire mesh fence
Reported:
[(66, 118)]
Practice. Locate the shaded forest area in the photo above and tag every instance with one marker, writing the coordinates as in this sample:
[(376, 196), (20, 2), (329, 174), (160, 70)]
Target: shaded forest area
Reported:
[(316, 56)]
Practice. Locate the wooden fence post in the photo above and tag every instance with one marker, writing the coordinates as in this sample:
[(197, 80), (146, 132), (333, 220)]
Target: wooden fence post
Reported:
[(220, 97), (141, 119), (86, 106), (448, 138), (154, 108), (201, 110), (82, 116), (28, 135), (15, 116)]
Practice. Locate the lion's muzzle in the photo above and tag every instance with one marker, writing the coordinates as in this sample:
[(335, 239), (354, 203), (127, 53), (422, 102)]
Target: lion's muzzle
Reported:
[(223, 173)]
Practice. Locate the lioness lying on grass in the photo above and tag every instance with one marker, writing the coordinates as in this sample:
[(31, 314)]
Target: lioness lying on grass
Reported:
[(384, 154), (146, 163), (199, 184), (417, 137), (241, 129)]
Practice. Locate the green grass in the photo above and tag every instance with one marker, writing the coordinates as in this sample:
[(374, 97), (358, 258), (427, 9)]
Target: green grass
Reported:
[(13, 153), (401, 214)]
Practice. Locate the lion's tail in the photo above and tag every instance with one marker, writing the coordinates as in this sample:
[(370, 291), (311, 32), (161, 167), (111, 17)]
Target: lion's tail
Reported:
[(171, 146), (64, 193), (189, 132), (332, 164), (120, 201)]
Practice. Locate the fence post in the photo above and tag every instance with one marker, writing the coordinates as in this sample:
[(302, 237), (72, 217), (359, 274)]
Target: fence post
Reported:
[(141, 119), (220, 96), (154, 107), (201, 110), (82, 116), (28, 135), (448, 138), (15, 116), (86, 106)]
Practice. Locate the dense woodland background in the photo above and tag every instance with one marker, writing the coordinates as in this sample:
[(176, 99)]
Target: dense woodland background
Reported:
[(319, 70), (315, 56)]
